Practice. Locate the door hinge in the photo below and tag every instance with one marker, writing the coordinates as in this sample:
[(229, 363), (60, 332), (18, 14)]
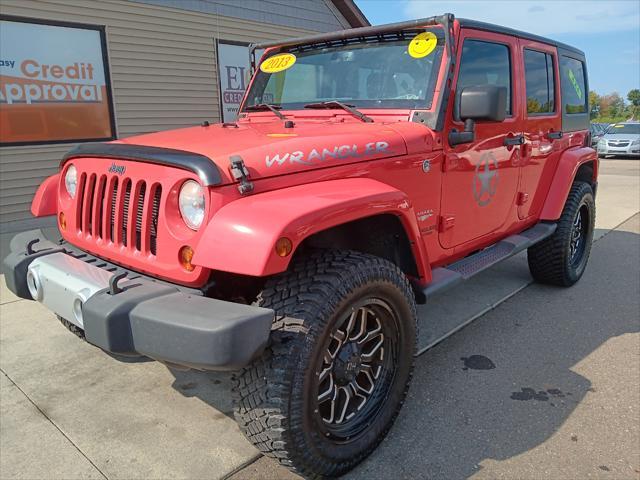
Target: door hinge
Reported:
[(446, 222), (522, 198)]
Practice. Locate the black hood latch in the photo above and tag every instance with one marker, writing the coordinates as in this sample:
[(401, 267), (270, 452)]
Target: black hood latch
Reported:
[(241, 174)]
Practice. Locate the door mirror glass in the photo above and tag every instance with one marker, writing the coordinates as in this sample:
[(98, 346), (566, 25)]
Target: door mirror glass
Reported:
[(486, 102)]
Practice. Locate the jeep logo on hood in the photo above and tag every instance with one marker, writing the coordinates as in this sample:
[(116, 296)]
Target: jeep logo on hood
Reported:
[(118, 169)]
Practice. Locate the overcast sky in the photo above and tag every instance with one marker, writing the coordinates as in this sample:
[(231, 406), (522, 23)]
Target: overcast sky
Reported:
[(608, 31)]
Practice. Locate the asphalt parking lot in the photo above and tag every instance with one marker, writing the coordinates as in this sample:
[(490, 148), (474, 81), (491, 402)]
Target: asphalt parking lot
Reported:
[(545, 383)]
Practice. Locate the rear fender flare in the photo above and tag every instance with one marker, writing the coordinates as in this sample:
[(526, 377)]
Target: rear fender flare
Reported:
[(241, 236), (45, 201), (568, 166)]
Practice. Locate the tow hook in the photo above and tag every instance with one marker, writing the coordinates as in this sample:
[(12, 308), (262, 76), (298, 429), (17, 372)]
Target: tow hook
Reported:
[(239, 172), (114, 288)]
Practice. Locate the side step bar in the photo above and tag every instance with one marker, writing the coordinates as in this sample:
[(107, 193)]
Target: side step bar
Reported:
[(458, 272)]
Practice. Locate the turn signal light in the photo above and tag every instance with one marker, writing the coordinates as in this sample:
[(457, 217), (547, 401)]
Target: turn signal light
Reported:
[(63, 221), (283, 247), (185, 256)]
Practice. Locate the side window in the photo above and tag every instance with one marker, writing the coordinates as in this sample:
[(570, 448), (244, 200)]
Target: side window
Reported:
[(485, 63), (539, 78), (572, 77)]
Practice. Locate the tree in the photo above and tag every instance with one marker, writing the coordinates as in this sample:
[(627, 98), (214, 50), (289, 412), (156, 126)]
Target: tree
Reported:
[(612, 106), (594, 104), (533, 105), (634, 97)]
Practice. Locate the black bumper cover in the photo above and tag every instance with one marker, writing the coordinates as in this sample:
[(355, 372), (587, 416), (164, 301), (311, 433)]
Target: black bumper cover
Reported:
[(157, 320)]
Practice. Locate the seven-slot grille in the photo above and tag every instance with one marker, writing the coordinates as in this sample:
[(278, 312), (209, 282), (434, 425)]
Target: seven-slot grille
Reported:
[(119, 210)]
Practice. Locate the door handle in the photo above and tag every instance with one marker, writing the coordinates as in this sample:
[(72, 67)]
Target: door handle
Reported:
[(511, 141), (554, 135)]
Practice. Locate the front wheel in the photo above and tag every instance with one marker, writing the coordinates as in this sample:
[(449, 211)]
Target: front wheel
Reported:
[(329, 387), (77, 331), (562, 258)]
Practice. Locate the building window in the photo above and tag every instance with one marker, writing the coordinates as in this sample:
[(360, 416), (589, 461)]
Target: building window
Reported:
[(538, 68), (54, 83), (485, 63), (572, 77)]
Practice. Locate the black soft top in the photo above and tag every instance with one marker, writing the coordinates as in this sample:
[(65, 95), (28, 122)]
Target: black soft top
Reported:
[(489, 27), (445, 20)]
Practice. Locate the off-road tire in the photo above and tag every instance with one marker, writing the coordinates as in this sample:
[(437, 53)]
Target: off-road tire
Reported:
[(550, 261), (273, 396), (77, 331)]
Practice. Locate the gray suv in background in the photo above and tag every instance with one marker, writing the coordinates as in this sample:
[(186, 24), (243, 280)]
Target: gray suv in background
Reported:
[(621, 139)]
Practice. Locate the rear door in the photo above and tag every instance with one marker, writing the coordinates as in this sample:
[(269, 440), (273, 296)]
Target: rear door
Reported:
[(480, 178), (542, 125)]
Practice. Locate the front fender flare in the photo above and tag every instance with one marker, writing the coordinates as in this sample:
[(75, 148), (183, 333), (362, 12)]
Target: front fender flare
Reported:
[(241, 236), (568, 165), (45, 201)]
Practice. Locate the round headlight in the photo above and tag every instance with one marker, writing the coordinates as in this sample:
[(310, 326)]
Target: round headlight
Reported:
[(191, 203), (71, 180)]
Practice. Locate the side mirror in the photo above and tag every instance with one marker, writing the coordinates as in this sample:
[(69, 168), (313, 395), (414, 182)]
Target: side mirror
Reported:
[(486, 102)]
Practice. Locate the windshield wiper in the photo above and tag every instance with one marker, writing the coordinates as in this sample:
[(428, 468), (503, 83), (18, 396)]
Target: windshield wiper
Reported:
[(266, 106), (344, 106)]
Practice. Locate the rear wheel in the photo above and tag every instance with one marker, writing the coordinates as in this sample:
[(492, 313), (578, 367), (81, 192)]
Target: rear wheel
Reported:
[(329, 387), (562, 258)]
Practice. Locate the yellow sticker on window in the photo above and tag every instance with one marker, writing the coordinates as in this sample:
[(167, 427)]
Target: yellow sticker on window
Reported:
[(422, 44), (278, 63), (618, 126)]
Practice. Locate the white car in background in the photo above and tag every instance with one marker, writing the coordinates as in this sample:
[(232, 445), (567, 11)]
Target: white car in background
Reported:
[(621, 139)]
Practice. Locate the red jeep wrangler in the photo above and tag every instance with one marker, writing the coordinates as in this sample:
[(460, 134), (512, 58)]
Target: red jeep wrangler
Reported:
[(369, 169)]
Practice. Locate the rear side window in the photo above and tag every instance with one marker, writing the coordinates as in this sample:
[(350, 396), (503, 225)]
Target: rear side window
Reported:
[(574, 94), (540, 82), (485, 63)]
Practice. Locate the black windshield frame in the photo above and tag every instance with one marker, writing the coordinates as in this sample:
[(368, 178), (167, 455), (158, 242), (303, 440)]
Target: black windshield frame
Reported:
[(255, 94)]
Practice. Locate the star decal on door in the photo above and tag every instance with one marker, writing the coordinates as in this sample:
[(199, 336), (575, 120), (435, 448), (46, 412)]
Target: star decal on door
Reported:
[(485, 180)]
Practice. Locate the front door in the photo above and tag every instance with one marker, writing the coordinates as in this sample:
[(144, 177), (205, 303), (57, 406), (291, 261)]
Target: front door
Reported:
[(480, 179)]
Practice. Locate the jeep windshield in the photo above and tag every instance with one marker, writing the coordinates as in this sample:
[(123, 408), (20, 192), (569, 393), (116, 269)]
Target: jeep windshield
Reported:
[(385, 71)]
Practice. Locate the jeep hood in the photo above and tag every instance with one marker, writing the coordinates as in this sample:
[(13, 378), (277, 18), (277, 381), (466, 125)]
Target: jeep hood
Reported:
[(268, 149)]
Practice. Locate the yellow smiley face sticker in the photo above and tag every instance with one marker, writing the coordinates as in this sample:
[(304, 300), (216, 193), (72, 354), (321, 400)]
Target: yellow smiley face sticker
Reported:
[(278, 63), (422, 44)]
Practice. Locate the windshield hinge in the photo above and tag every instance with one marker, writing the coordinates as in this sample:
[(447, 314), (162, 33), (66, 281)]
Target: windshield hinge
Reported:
[(241, 174)]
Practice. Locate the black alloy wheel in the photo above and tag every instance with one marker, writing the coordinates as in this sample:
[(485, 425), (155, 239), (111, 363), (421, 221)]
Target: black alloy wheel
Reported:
[(579, 236), (356, 370)]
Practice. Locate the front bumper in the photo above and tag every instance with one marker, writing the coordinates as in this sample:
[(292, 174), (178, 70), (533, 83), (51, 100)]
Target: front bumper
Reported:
[(135, 316), (627, 151)]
